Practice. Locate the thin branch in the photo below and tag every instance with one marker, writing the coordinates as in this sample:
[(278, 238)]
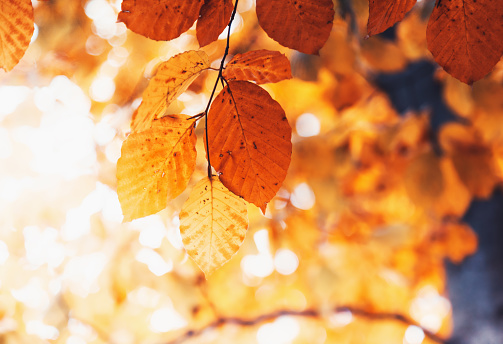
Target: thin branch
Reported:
[(308, 313), (216, 84)]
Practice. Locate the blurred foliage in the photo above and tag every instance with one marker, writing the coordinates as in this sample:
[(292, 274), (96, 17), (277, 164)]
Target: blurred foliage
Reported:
[(351, 250)]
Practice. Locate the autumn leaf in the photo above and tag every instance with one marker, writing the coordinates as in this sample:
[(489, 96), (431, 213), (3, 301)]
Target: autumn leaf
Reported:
[(214, 17), (464, 37), (16, 30), (155, 165), (249, 141), (213, 224), (161, 20), (303, 25), (384, 14), (261, 66), (172, 79)]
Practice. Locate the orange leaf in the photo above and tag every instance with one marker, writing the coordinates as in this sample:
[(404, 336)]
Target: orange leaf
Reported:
[(261, 66), (161, 20), (384, 14), (214, 17), (172, 79), (464, 37), (16, 29), (155, 165), (303, 25), (249, 139), (213, 224)]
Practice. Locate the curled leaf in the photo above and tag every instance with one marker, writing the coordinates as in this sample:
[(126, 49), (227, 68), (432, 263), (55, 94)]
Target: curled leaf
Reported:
[(261, 66), (155, 166), (214, 17), (464, 37), (16, 30), (249, 141), (303, 25), (213, 224), (172, 79), (161, 20)]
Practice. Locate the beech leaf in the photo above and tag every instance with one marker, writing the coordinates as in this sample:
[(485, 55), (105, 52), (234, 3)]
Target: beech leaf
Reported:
[(172, 79), (261, 66), (465, 37), (214, 17), (155, 165), (16, 30), (250, 141), (303, 25), (213, 224), (161, 20), (383, 14)]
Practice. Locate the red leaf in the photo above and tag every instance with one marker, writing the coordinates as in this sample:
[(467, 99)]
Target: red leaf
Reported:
[(466, 37), (303, 25), (161, 20), (384, 14), (214, 17)]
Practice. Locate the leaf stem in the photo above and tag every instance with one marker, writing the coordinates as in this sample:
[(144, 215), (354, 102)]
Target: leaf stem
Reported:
[(219, 77)]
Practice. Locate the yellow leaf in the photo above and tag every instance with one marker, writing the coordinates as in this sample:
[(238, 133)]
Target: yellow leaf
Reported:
[(250, 141), (172, 79), (161, 20), (155, 165), (213, 224), (16, 29), (261, 66)]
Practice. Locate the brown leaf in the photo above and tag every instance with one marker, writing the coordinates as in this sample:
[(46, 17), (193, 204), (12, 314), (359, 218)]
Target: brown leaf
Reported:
[(155, 165), (16, 29), (249, 138), (172, 79), (464, 37), (303, 25), (214, 17), (261, 66), (213, 224), (161, 20), (384, 14)]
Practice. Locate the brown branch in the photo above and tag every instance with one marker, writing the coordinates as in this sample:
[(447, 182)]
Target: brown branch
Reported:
[(220, 69), (308, 313)]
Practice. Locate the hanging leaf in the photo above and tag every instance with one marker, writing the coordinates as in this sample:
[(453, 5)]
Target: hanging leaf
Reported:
[(16, 30), (261, 66), (172, 79), (249, 139), (161, 20), (464, 37), (213, 224), (155, 165), (384, 14), (214, 17), (303, 25)]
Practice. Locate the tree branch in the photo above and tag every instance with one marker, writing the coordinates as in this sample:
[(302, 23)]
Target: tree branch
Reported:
[(219, 77), (308, 313)]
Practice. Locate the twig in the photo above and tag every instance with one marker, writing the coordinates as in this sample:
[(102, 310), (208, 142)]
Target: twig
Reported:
[(216, 84), (308, 313)]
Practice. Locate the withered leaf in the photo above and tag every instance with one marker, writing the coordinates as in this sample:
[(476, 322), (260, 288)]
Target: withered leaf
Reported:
[(303, 25), (172, 79), (214, 17), (261, 66), (249, 141), (464, 37), (155, 165), (16, 30), (213, 224), (384, 14), (161, 20)]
